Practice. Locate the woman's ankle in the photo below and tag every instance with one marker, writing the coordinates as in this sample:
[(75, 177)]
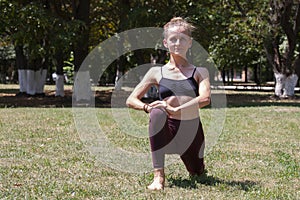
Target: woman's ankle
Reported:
[(159, 172), (158, 180)]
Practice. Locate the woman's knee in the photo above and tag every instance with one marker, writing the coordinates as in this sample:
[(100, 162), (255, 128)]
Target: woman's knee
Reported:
[(157, 121), (158, 114)]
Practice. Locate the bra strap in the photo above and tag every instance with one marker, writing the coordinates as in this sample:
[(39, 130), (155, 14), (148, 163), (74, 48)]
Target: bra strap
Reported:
[(161, 71), (194, 72)]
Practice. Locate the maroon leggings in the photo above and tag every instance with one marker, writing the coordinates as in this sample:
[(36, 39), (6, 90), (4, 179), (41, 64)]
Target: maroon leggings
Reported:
[(172, 136)]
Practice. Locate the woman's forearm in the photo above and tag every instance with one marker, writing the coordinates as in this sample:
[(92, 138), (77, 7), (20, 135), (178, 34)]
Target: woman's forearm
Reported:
[(200, 101), (135, 103)]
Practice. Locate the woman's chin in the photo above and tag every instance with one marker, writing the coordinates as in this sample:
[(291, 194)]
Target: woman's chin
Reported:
[(178, 53)]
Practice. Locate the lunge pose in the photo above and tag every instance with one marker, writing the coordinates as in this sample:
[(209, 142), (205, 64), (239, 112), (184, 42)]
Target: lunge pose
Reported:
[(174, 125)]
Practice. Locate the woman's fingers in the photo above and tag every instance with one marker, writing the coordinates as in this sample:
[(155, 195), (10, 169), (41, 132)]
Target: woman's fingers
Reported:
[(158, 104), (154, 103)]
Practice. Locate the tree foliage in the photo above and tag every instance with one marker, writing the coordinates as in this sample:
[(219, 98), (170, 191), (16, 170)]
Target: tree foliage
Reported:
[(238, 34), (283, 39)]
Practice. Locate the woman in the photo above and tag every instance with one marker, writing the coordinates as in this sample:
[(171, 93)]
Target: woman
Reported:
[(175, 125)]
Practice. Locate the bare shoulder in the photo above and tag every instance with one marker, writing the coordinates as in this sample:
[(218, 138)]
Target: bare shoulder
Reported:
[(202, 73), (153, 74), (154, 70)]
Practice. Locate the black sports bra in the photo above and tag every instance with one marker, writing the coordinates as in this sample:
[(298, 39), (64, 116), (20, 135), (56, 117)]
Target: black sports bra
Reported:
[(185, 87)]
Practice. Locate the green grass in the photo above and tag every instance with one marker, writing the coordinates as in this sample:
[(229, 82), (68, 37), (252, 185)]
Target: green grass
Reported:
[(42, 157)]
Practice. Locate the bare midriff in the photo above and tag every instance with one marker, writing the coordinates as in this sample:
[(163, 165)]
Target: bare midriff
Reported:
[(189, 113)]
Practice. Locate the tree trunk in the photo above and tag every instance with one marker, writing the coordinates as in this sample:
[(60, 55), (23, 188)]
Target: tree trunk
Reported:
[(59, 86), (285, 86), (82, 86), (223, 76), (21, 66), (285, 23), (35, 81), (232, 75), (59, 80), (120, 64), (22, 77), (246, 74), (30, 82), (36, 75), (256, 79), (81, 9), (40, 80), (118, 80), (279, 83), (123, 8), (82, 89), (290, 84)]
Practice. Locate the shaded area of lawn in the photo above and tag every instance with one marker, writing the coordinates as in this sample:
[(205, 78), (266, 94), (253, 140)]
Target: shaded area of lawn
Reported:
[(10, 97), (209, 180)]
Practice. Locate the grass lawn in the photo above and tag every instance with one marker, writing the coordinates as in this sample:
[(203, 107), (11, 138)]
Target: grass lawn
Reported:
[(42, 156)]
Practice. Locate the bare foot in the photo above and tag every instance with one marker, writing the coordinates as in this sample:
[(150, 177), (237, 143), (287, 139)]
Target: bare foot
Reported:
[(158, 181)]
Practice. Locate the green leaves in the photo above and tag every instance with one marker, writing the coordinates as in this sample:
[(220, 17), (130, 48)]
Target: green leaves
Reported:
[(233, 31), (240, 37)]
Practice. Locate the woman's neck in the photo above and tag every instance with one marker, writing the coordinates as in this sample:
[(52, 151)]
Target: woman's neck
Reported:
[(178, 62)]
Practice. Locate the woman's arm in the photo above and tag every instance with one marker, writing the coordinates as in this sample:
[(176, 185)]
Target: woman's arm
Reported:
[(204, 94), (134, 99)]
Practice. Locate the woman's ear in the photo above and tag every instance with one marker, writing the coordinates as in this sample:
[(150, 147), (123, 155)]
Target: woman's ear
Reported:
[(165, 43)]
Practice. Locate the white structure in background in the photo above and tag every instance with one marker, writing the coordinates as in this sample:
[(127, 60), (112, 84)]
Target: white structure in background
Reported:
[(22, 76), (40, 77), (285, 86), (82, 86), (32, 82), (59, 84)]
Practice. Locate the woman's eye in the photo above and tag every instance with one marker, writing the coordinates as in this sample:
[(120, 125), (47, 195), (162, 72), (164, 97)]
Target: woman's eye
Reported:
[(173, 39), (182, 39)]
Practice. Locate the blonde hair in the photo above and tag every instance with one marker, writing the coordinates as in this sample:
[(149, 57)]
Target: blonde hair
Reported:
[(179, 21)]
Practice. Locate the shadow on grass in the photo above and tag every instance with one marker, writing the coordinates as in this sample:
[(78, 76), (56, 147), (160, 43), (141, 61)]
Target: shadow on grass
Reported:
[(193, 182), (9, 91), (10, 98)]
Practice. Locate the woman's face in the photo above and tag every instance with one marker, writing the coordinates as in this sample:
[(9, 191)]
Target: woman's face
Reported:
[(177, 41)]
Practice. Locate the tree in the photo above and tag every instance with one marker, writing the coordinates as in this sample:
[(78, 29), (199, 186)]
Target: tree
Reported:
[(281, 44), (25, 24), (237, 40), (43, 33), (62, 34), (254, 31), (135, 14)]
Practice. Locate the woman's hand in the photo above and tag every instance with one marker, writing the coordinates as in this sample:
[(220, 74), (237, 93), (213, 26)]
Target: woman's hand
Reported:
[(158, 104), (171, 110), (163, 104)]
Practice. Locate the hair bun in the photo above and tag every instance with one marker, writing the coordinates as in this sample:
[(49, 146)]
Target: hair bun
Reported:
[(179, 21)]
